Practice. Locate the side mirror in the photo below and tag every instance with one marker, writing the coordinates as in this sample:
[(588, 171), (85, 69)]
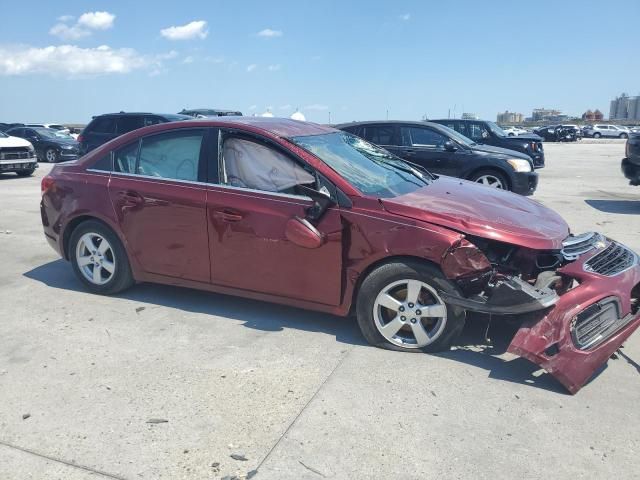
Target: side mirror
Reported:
[(299, 231), (449, 146), (321, 202)]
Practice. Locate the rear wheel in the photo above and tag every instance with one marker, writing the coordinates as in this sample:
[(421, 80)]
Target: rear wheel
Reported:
[(99, 259), (490, 178), (624, 135), (399, 308)]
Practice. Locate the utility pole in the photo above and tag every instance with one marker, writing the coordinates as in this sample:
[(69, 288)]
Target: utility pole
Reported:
[(329, 118)]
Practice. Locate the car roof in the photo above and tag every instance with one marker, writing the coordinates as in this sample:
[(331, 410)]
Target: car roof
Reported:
[(124, 114), (419, 123), (455, 120)]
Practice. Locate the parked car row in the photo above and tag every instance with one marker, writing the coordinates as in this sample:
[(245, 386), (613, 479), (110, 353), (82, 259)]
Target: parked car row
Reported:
[(318, 218), (605, 131)]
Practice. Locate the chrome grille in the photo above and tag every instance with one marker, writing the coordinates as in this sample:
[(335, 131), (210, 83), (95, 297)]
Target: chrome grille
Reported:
[(597, 323), (614, 259), (576, 245), (14, 153)]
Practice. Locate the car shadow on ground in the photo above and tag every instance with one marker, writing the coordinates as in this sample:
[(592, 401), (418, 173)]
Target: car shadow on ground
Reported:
[(472, 347), (625, 207)]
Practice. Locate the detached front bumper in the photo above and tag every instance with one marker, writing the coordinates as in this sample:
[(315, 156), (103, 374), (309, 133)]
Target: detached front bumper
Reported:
[(589, 322), (631, 171)]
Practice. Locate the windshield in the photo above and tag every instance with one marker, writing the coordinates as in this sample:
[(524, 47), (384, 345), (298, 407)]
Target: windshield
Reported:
[(370, 169), (496, 129), (50, 133)]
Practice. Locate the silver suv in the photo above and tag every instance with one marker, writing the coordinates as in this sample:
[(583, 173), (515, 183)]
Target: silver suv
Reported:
[(611, 131)]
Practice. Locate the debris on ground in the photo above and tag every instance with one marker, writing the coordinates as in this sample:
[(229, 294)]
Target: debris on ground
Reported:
[(139, 309), (251, 474), (311, 469), (239, 456), (157, 420), (25, 416)]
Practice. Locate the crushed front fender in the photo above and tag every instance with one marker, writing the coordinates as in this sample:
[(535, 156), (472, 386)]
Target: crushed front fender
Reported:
[(552, 342)]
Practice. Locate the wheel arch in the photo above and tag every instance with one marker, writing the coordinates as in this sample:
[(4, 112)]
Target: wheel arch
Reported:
[(78, 220), (378, 263)]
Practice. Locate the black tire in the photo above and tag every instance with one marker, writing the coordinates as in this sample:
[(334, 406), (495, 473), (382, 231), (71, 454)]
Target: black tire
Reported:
[(388, 273), (51, 155), (25, 173), (597, 135), (122, 277), (624, 135), (494, 173)]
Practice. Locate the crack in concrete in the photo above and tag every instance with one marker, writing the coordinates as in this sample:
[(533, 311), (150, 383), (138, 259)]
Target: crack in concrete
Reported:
[(62, 461)]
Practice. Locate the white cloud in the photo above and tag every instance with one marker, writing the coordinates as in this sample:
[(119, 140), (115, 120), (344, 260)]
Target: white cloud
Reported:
[(268, 33), (316, 106), (405, 16), (74, 61), (274, 68), (252, 67), (188, 59), (67, 32), (86, 24), (195, 29), (97, 20)]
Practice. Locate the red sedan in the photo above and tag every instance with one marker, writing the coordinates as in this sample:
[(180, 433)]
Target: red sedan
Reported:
[(309, 216)]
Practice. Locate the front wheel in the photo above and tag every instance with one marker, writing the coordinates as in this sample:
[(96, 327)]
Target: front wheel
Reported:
[(490, 178), (99, 259), (51, 155), (597, 135), (399, 308)]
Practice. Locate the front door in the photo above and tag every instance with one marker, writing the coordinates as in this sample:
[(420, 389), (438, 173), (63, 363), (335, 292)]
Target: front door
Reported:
[(161, 204), (248, 209), (426, 147)]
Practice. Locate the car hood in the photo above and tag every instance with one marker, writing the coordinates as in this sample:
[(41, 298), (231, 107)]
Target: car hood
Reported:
[(481, 211), (499, 151), (14, 142), (63, 141)]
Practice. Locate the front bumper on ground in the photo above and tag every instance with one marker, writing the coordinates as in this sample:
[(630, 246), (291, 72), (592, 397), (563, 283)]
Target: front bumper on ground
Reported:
[(524, 183), (555, 342), (631, 171), (15, 165)]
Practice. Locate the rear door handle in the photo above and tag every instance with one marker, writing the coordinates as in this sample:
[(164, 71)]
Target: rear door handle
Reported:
[(227, 215), (131, 197)]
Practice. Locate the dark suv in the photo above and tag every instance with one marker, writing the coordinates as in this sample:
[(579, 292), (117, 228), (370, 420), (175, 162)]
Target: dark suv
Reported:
[(488, 133), (111, 125), (444, 151), (631, 162)]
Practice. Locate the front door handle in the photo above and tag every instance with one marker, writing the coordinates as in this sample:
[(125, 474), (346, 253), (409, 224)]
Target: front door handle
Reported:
[(227, 215)]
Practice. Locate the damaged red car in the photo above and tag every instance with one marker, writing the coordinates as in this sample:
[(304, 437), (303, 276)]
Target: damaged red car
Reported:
[(309, 216)]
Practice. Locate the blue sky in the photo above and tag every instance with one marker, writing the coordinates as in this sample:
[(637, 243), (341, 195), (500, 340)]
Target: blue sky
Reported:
[(66, 61)]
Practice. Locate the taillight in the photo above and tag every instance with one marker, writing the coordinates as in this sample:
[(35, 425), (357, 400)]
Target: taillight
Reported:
[(47, 183)]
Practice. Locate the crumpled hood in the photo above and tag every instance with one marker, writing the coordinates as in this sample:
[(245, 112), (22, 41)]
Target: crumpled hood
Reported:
[(485, 212), (14, 142)]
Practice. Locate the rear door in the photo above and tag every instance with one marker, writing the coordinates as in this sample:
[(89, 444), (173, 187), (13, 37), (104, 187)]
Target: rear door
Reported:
[(248, 208), (99, 131), (158, 193)]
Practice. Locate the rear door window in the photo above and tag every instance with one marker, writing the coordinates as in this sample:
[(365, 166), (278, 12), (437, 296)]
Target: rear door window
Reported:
[(103, 125), (128, 123), (174, 155), (477, 131)]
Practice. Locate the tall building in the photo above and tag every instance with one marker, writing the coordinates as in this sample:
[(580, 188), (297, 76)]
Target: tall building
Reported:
[(541, 114), (510, 117), (625, 107)]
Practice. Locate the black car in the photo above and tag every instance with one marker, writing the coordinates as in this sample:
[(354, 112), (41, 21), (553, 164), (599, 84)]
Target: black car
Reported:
[(559, 133), (443, 151), (209, 112), (51, 145), (489, 133), (631, 162), (111, 125)]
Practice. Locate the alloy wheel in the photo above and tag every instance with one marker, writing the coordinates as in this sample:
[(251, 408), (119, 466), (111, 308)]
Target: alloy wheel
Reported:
[(51, 155), (490, 181), (96, 259), (409, 314)]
